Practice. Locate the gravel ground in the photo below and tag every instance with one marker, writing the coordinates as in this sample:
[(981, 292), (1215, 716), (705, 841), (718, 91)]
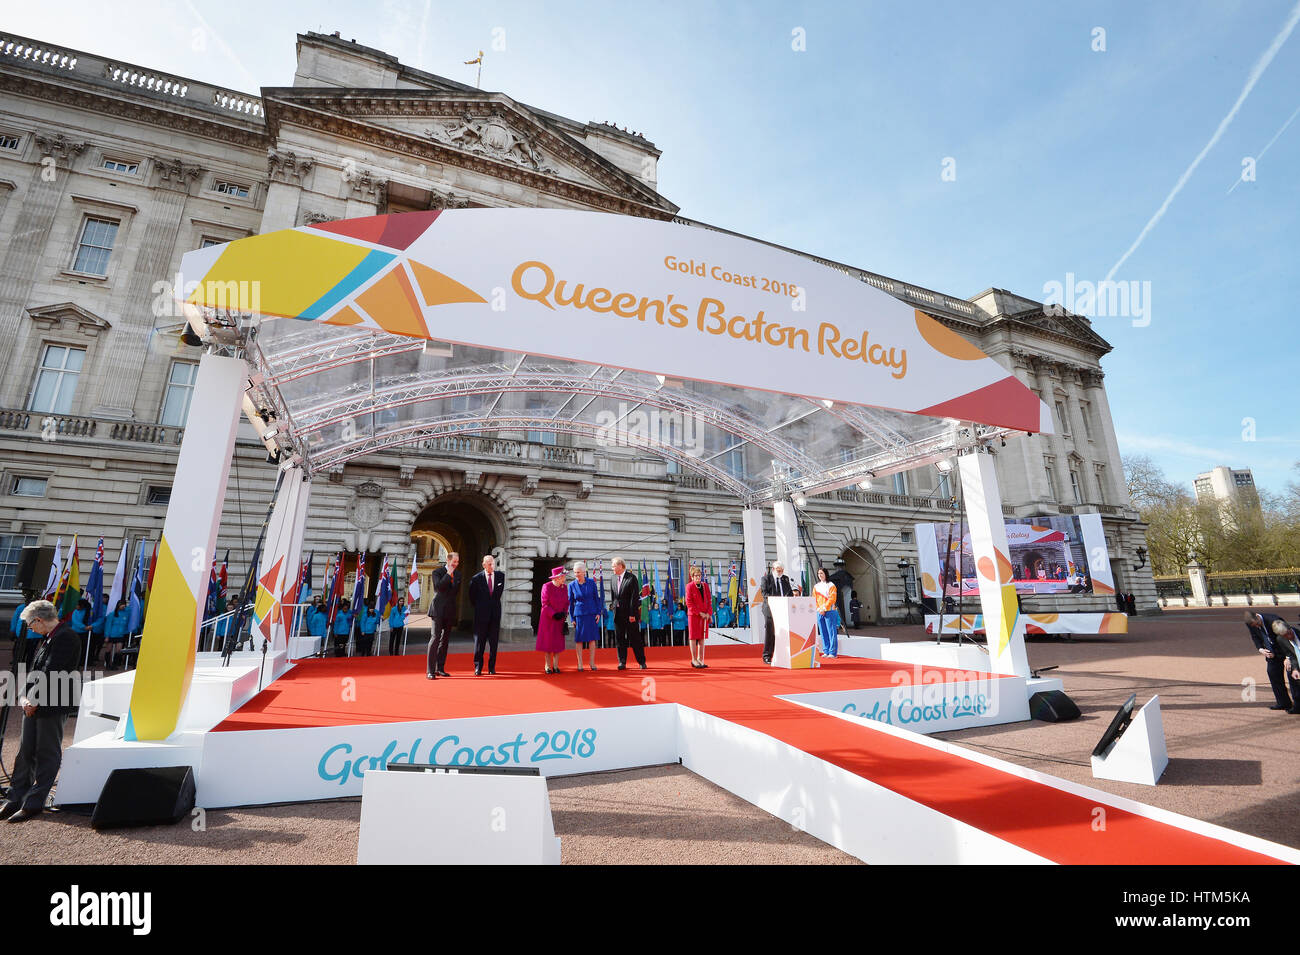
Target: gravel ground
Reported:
[(1232, 762)]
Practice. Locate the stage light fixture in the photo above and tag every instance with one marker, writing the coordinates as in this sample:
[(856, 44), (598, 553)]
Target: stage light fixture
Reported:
[(800, 501)]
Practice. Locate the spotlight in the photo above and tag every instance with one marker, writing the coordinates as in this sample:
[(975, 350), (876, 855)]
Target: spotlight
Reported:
[(270, 433), (800, 501), (944, 466)]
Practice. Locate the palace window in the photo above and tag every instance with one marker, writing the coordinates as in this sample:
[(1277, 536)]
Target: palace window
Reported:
[(737, 529), (1051, 479), (158, 494), (180, 388), (9, 142), (95, 246), (232, 189), (56, 379), (1061, 420), (1085, 412), (1075, 489), (25, 486), (733, 462), (11, 550), (900, 483), (674, 524), (208, 242), (120, 165), (535, 405)]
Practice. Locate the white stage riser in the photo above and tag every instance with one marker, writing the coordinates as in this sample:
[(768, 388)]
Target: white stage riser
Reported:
[(836, 806), (301, 765), (930, 707)]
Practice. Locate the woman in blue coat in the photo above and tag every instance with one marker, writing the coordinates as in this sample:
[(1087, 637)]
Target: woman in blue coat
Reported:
[(396, 625), (584, 610), (342, 628), (367, 624), (116, 629)]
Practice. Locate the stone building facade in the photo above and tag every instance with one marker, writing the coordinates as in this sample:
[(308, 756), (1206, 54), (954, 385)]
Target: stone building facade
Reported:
[(109, 172)]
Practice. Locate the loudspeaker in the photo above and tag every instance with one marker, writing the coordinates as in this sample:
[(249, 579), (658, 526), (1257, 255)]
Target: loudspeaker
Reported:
[(34, 568), (144, 797), (1052, 706)]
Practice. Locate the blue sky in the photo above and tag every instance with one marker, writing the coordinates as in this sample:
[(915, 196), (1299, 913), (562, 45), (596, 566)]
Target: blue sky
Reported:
[(1062, 153)]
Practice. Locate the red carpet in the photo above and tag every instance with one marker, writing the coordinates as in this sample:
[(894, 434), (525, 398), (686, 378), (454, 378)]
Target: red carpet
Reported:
[(738, 687)]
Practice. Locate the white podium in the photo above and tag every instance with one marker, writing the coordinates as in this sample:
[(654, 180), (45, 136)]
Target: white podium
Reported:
[(795, 621), (440, 818), (1139, 756)]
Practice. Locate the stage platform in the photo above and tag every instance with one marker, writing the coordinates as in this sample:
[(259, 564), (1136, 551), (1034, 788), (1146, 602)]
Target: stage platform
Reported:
[(839, 751)]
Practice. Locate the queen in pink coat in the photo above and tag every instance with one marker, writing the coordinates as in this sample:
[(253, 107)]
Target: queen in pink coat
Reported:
[(550, 626)]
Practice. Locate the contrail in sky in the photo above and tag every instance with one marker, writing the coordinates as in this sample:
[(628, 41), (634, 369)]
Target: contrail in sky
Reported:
[(1260, 154), (1255, 73)]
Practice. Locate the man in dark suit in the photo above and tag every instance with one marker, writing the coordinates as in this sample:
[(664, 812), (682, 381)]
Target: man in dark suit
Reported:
[(775, 584), (442, 615), (627, 614), (485, 593), (1260, 626), (50, 695)]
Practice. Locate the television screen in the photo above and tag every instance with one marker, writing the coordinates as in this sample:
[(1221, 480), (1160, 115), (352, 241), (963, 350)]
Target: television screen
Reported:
[(1118, 724), (1061, 554)]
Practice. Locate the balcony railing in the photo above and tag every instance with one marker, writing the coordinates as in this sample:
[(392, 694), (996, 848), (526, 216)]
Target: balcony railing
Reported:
[(58, 427)]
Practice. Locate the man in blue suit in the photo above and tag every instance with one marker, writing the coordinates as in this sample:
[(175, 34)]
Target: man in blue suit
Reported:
[(485, 594), (1260, 626)]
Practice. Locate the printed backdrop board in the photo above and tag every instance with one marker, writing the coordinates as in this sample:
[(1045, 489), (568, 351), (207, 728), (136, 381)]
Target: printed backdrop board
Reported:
[(619, 291)]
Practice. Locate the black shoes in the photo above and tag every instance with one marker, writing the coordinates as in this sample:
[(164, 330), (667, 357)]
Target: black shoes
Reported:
[(443, 673), (1278, 706), (429, 676), (22, 815), (478, 670), (643, 666), (767, 659), (8, 810), (622, 666), (492, 671)]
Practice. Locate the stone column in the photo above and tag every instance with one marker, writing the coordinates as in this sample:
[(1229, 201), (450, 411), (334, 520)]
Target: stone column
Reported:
[(37, 207), (131, 309), (1199, 581), (1096, 394)]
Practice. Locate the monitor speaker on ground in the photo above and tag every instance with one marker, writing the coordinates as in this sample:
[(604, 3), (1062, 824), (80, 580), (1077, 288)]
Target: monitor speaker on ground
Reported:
[(1052, 706), (33, 568), (144, 797)]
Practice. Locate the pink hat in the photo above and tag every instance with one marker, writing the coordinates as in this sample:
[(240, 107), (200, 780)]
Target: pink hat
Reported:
[(557, 572)]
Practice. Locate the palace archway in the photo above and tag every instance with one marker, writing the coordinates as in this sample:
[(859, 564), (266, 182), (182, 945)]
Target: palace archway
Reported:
[(465, 522)]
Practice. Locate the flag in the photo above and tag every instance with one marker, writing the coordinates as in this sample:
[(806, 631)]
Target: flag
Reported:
[(214, 590), (646, 590), (69, 592), (95, 585), (223, 576), (359, 588), (118, 590), (56, 572), (385, 593), (604, 595), (668, 588), (334, 590), (135, 597), (733, 586), (413, 585), (477, 59), (148, 584)]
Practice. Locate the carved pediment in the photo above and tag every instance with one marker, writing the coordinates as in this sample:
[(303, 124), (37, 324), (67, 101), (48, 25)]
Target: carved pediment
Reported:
[(485, 132), (70, 314)]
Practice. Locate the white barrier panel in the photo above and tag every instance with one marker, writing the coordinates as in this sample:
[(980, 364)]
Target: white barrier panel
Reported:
[(298, 765), (864, 648), (1139, 756), (836, 806), (965, 656), (410, 818), (930, 707)]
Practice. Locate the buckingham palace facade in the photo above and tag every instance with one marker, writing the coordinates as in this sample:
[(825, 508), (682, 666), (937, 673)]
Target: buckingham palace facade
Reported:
[(109, 172)]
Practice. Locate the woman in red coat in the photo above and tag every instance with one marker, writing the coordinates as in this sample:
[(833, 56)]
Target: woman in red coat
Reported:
[(699, 607)]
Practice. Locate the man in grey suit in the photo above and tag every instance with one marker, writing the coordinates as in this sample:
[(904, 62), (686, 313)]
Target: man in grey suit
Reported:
[(442, 615)]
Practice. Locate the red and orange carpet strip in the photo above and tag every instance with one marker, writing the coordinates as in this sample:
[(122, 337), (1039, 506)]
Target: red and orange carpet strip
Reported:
[(738, 687)]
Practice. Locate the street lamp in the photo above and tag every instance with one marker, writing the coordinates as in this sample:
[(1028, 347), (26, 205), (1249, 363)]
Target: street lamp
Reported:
[(1142, 556)]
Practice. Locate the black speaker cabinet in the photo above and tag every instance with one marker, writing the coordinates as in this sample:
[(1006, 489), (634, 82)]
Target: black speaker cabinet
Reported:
[(1052, 706), (144, 797), (34, 569)]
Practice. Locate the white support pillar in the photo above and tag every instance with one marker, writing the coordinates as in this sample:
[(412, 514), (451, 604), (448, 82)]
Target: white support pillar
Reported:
[(274, 573), (787, 539), (171, 630), (1002, 621), (755, 568)]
